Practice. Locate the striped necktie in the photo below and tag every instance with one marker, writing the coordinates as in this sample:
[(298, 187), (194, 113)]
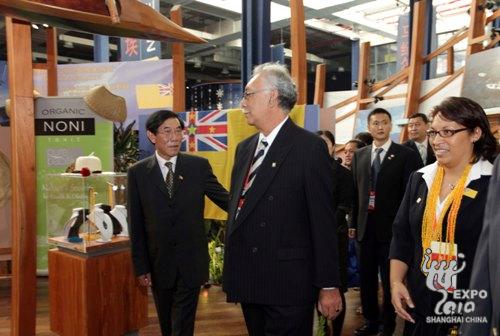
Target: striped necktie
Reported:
[(254, 167)]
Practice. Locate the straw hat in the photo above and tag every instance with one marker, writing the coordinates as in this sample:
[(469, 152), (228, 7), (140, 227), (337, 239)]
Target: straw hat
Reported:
[(5, 189), (36, 94), (106, 104)]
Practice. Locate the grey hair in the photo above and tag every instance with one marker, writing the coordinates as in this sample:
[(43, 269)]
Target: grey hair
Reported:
[(279, 78)]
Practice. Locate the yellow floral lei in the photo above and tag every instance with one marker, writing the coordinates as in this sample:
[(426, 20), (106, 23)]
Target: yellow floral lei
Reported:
[(432, 227)]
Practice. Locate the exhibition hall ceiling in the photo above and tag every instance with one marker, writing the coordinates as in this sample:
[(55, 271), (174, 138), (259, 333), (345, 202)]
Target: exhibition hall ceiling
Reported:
[(331, 26)]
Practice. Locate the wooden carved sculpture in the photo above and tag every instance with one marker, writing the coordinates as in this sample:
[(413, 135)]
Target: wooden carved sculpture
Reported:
[(123, 18)]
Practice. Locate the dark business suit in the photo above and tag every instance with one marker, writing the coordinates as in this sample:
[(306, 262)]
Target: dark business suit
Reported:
[(282, 247), (486, 267), (374, 228), (168, 235), (406, 246), (431, 157), (344, 192)]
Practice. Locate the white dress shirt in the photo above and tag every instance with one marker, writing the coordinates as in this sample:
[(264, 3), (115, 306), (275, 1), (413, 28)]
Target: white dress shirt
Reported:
[(162, 161)]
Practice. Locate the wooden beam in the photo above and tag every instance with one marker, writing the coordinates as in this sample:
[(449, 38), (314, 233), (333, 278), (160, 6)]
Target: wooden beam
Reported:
[(40, 66), (380, 98), (319, 84), (450, 61), (5, 250), (364, 73), (52, 61), (476, 26), (345, 102), (179, 72), (368, 100), (298, 43), (391, 86), (345, 116), (416, 62), (395, 96), (492, 43), (479, 39), (495, 15), (403, 73), (23, 297), (450, 43)]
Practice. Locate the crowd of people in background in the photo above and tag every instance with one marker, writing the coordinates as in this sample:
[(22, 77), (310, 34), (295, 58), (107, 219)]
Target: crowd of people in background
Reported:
[(417, 222)]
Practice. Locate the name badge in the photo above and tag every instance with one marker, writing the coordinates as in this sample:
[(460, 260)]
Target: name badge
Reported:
[(443, 251), (471, 193)]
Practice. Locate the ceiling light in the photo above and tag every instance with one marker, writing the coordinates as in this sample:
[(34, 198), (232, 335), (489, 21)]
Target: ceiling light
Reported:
[(34, 26)]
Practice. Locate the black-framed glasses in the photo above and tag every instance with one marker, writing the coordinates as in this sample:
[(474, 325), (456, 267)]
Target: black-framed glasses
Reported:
[(445, 133), (247, 94)]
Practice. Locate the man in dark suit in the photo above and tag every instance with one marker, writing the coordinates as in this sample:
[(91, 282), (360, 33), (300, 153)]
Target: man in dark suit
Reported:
[(281, 248), (380, 173), (166, 199), (418, 124), (486, 268)]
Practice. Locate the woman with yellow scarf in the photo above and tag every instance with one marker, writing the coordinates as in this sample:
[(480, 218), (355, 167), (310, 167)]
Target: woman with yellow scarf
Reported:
[(438, 224)]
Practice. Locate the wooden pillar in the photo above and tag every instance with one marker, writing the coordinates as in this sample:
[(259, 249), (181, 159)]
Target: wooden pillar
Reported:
[(51, 61), (23, 297), (416, 62), (319, 85), (476, 26), (298, 43), (450, 61), (179, 73), (364, 73)]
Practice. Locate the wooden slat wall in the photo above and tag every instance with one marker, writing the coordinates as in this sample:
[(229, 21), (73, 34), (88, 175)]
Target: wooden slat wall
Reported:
[(23, 311), (179, 74), (298, 43)]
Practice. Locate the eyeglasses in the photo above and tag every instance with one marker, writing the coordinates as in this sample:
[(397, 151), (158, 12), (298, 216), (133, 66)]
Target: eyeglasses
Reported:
[(444, 133), (169, 133), (247, 94)]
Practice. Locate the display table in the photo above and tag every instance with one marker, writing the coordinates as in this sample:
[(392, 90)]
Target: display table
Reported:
[(95, 294)]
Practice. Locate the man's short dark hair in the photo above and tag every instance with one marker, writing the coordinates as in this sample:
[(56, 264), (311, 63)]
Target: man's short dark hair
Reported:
[(378, 110), (364, 137), (157, 118), (419, 115)]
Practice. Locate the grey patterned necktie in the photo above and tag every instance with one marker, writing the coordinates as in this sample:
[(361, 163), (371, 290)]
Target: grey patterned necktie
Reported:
[(423, 152), (169, 179), (376, 167)]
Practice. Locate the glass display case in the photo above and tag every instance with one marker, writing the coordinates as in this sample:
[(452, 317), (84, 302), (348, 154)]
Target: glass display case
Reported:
[(86, 213)]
